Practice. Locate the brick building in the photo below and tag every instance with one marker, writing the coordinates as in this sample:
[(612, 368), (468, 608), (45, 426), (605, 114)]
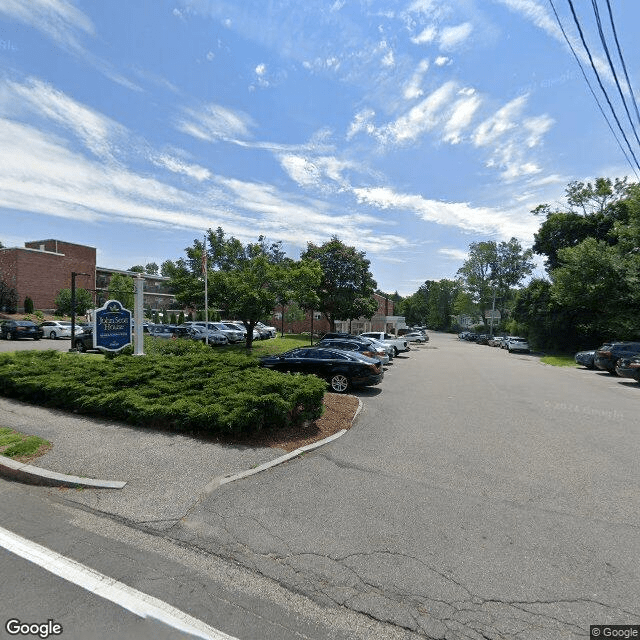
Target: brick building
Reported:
[(382, 320), (42, 268)]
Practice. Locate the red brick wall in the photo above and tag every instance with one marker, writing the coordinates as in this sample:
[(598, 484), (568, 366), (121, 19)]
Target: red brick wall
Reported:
[(42, 274)]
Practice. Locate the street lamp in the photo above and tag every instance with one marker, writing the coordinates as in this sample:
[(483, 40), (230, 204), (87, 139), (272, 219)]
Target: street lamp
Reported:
[(73, 306)]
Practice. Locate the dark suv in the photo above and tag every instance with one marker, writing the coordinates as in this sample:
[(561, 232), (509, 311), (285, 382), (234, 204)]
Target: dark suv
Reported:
[(15, 329), (84, 341), (608, 354)]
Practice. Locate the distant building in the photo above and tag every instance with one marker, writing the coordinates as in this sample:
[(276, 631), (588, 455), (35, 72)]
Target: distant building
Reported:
[(42, 268), (382, 320)]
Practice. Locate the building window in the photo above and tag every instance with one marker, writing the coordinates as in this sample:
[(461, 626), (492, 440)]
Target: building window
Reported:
[(277, 315), (317, 315)]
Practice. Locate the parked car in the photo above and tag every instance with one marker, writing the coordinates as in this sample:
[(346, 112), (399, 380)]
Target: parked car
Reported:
[(272, 331), (608, 354), (233, 335), (84, 341), (16, 329), (212, 336), (504, 343), (341, 369), (367, 349), (164, 331), (414, 336), (586, 358), (517, 344), (629, 368), (55, 329), (495, 341), (398, 344), (389, 348), (483, 338), (240, 327)]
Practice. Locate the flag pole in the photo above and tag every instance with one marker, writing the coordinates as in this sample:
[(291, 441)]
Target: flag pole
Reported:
[(206, 289)]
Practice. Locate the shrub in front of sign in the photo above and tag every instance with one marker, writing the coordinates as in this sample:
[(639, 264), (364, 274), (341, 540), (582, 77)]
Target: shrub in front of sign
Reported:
[(199, 392)]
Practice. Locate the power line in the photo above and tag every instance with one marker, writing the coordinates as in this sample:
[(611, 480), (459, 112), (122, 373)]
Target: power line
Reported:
[(624, 66), (603, 39), (593, 93), (602, 88)]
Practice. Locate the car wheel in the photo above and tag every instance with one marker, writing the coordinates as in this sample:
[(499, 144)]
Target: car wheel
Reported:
[(52, 335), (339, 383), (80, 346), (395, 351), (9, 335)]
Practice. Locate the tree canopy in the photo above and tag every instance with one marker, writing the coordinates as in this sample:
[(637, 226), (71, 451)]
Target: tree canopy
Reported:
[(244, 281), (494, 269), (84, 302), (347, 286), (593, 262)]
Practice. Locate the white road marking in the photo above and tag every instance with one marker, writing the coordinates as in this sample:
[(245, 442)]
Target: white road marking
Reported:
[(137, 602)]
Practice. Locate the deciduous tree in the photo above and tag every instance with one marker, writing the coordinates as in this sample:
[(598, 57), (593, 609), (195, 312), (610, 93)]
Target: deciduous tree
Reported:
[(347, 289)]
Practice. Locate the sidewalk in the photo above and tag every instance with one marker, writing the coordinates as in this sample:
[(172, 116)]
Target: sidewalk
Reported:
[(165, 473)]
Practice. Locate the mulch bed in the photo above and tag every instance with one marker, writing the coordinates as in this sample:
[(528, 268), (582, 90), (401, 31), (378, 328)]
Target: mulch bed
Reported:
[(339, 412)]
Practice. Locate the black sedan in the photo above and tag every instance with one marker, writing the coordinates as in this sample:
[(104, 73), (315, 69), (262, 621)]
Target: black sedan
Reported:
[(629, 368), (341, 369), (15, 329), (585, 358)]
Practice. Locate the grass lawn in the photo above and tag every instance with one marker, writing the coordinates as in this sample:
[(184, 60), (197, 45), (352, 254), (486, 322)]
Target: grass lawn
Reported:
[(559, 361), (21, 447)]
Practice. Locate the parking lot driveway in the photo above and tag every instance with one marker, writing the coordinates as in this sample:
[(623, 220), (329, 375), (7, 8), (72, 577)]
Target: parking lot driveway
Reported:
[(479, 495)]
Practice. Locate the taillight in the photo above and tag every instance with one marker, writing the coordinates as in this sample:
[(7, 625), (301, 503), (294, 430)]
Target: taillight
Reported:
[(374, 367), (604, 354)]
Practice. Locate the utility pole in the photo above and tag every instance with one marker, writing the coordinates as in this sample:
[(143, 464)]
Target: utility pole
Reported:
[(73, 306)]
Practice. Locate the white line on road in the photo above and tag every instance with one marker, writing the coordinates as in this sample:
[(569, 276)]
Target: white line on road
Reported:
[(137, 602)]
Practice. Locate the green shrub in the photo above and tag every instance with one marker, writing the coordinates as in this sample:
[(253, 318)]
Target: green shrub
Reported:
[(184, 385), (28, 305)]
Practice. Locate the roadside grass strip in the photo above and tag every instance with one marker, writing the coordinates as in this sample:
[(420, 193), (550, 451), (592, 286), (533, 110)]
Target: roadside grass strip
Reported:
[(559, 361), (19, 446)]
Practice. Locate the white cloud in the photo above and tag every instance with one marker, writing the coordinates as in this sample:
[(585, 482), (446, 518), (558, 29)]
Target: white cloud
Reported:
[(180, 166), (454, 254), (214, 122), (62, 22), (540, 16), (453, 37), (97, 132), (441, 61), (41, 174), (485, 220), (261, 69), (58, 19), (414, 86), (426, 36), (461, 117), (362, 122), (319, 172), (421, 118), (508, 134)]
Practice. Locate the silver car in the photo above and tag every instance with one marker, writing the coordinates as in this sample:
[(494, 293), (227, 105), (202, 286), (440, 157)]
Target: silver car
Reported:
[(55, 329), (517, 344)]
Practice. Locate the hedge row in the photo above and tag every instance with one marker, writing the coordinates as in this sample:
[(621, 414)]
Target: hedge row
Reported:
[(199, 391)]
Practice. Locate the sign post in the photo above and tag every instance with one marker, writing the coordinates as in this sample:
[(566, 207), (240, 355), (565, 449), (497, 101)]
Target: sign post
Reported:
[(138, 317), (112, 327)]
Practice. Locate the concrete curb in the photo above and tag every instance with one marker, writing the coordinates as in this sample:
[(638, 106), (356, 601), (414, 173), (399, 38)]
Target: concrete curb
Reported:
[(35, 475), (232, 477)]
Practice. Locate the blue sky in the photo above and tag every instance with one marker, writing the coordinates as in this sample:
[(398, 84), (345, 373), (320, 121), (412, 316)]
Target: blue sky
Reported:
[(409, 129)]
